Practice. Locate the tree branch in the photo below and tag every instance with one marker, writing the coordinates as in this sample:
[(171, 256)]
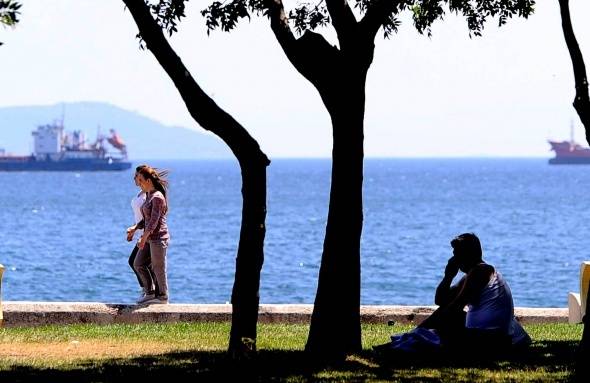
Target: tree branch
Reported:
[(279, 23), (311, 54), (582, 100), (201, 107), (376, 15), (343, 20)]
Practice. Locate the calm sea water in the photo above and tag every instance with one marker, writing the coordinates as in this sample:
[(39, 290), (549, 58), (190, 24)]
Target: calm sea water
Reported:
[(63, 234)]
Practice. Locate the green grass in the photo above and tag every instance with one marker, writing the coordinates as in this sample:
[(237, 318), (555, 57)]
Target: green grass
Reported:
[(196, 352)]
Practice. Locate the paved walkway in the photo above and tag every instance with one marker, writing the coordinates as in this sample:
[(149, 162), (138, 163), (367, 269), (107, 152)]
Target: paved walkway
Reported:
[(43, 313)]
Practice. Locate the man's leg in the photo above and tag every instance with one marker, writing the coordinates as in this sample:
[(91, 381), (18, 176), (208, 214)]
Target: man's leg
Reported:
[(449, 324)]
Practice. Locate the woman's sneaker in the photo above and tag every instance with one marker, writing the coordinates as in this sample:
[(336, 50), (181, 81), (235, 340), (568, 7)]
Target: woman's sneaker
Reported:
[(145, 298), (163, 300)]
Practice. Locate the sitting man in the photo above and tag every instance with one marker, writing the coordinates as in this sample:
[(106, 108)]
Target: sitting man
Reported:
[(488, 325)]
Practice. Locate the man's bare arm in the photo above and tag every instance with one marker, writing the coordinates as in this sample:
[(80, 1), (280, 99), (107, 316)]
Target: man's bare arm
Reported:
[(473, 283), (445, 293)]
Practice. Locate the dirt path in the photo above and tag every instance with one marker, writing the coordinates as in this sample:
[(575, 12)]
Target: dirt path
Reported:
[(84, 349)]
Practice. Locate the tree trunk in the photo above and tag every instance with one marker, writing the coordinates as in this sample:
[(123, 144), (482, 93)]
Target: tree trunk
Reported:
[(245, 297), (339, 74), (582, 106), (253, 163), (582, 101), (335, 324)]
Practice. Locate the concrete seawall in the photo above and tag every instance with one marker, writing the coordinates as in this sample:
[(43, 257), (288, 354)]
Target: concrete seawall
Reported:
[(46, 313)]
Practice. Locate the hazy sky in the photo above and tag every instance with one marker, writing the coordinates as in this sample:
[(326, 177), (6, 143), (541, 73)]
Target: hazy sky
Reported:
[(500, 95)]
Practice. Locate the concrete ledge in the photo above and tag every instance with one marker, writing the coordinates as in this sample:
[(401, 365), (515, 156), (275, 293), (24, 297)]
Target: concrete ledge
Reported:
[(45, 313)]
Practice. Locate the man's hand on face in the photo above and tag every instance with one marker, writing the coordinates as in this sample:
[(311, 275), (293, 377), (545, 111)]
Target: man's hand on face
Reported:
[(452, 267)]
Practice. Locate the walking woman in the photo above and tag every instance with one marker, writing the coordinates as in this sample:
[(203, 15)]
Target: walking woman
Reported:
[(136, 204), (153, 243)]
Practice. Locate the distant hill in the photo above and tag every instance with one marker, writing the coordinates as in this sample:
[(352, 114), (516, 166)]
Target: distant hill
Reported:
[(145, 138)]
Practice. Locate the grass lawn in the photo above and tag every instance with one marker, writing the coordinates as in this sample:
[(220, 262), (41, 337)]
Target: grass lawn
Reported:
[(196, 352)]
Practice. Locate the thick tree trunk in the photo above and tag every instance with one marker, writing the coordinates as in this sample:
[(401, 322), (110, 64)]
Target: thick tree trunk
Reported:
[(253, 163), (335, 325), (245, 297), (339, 74), (582, 101)]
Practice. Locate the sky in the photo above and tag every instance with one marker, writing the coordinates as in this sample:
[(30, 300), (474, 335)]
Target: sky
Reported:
[(503, 94)]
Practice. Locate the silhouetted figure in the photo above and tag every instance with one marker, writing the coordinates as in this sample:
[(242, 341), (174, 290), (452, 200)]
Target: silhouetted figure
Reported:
[(488, 325)]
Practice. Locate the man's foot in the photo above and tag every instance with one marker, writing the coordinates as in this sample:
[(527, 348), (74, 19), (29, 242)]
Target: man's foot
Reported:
[(145, 297)]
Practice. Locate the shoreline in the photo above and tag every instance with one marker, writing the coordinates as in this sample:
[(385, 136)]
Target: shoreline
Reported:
[(25, 313)]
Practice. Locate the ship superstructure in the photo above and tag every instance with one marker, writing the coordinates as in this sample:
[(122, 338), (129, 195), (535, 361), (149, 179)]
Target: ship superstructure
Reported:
[(54, 149), (569, 152)]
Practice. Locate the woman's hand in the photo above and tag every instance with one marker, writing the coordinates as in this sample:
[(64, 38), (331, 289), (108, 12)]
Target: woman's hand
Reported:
[(130, 233), (142, 241)]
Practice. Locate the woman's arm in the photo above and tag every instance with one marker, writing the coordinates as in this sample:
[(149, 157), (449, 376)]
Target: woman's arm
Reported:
[(157, 210)]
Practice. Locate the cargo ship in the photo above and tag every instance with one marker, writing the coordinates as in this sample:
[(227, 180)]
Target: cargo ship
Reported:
[(569, 152), (54, 149)]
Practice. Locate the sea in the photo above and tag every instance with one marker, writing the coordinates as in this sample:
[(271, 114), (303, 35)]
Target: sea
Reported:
[(62, 234)]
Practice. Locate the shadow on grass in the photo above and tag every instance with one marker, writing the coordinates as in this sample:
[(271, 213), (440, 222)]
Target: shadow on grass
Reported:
[(296, 366), (544, 361)]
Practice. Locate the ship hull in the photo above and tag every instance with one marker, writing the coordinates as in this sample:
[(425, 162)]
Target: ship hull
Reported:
[(570, 161), (78, 165)]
